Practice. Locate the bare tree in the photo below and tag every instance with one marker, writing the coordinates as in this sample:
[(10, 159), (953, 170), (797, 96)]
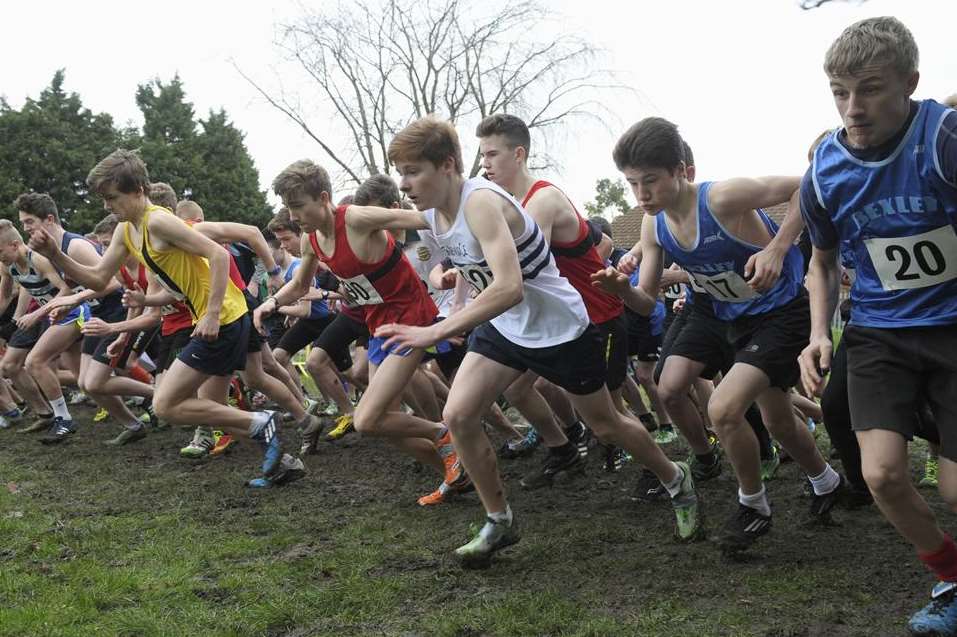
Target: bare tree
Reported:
[(814, 4), (382, 63)]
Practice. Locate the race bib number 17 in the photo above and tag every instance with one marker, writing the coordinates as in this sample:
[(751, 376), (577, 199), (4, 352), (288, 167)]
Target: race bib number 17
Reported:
[(728, 286), (904, 263)]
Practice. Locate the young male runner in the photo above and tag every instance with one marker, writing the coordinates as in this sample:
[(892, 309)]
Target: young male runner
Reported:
[(884, 186), (377, 277), (691, 222), (535, 321), (196, 270)]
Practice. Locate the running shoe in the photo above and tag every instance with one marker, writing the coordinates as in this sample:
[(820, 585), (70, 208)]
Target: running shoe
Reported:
[(59, 429), (311, 406), (202, 443), (649, 488), (743, 529), (224, 442), (78, 398), (101, 415), (929, 479), (685, 504), (769, 465), (290, 470), (821, 505), (493, 536), (332, 409), (149, 417), (343, 426), (127, 436), (446, 491), (665, 435), (939, 618), (10, 418), (512, 449), (702, 471), (615, 458), (42, 423), (453, 468), (580, 436), (267, 435), (310, 435), (555, 465)]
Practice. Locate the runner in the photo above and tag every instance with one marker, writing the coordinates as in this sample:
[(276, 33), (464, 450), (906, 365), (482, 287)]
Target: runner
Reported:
[(525, 317), (884, 188), (196, 270)]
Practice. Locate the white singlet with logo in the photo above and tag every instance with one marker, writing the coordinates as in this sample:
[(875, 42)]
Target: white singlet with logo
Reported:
[(552, 311), (424, 255)]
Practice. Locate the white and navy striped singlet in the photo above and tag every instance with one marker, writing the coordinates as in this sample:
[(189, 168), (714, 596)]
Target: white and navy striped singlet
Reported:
[(37, 285)]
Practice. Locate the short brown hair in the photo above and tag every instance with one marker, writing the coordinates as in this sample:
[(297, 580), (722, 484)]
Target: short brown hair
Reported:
[(106, 225), (430, 139), (283, 222), (187, 209), (654, 142), (9, 232), (377, 190), (883, 40), (512, 128), (122, 168), (162, 194), (303, 176), (38, 204)]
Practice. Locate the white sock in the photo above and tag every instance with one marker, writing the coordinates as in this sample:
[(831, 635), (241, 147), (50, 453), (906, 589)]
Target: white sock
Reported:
[(674, 487), (503, 516), (260, 418), (826, 482), (59, 408), (757, 501)]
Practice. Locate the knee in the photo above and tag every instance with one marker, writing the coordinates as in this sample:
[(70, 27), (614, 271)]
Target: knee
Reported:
[(671, 395), (163, 407), (645, 375), (316, 363), (33, 366), (457, 420), (365, 420), (885, 480), (281, 355), (724, 414)]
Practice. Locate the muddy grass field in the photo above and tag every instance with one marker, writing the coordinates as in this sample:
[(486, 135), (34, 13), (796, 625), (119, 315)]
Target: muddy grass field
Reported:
[(138, 541)]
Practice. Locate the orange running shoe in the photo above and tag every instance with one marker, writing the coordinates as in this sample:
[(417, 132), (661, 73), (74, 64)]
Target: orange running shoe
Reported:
[(224, 442), (445, 491), (453, 468)]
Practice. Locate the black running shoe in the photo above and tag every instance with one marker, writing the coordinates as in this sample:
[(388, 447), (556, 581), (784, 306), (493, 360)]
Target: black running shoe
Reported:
[(701, 471), (615, 458), (649, 488), (580, 436), (743, 529), (58, 431), (821, 505), (556, 463)]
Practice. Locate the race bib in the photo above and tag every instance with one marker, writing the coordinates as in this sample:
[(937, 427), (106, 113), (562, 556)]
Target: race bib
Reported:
[(360, 291), (904, 263), (673, 291), (728, 286), (479, 277)]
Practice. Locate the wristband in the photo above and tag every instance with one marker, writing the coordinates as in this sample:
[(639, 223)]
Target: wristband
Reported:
[(275, 271)]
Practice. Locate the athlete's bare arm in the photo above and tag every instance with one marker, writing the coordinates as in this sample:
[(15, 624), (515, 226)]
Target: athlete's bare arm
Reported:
[(643, 298), (763, 269), (298, 286), (172, 231), (6, 289), (46, 269), (94, 276), (23, 302), (741, 195), (227, 232), (554, 214), (823, 285), (368, 219), (84, 253), (605, 247), (485, 213)]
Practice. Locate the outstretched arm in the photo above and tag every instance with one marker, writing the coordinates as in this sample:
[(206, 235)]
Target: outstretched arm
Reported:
[(366, 219), (97, 276), (763, 269), (733, 196), (227, 232)]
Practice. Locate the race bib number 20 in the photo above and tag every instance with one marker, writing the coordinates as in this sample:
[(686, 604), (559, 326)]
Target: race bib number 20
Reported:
[(904, 263)]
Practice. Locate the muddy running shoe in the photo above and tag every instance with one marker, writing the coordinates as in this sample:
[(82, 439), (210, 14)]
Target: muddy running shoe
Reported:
[(311, 406), (580, 436), (821, 505), (290, 470), (203, 441), (59, 429), (649, 488), (665, 435), (743, 529), (929, 479), (769, 465), (78, 398), (149, 417), (685, 504), (519, 448), (310, 435), (267, 435), (453, 468), (224, 442), (557, 463), (101, 415), (343, 426), (447, 491), (10, 418), (702, 471), (493, 536), (939, 618), (127, 436), (42, 423), (615, 458)]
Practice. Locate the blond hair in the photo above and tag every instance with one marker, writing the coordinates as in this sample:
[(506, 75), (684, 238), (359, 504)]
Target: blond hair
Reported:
[(189, 210), (302, 177), (9, 232), (428, 138), (951, 101), (883, 40)]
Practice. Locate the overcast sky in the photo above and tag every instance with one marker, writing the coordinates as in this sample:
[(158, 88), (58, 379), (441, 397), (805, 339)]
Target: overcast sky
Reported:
[(741, 78)]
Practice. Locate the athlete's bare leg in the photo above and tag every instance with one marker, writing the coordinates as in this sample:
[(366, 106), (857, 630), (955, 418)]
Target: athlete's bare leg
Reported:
[(55, 340), (272, 367), (376, 414), (522, 395), (677, 377), (319, 366), (629, 390), (557, 401), (256, 378), (176, 401), (13, 368)]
